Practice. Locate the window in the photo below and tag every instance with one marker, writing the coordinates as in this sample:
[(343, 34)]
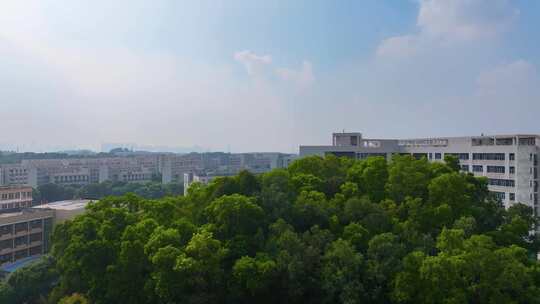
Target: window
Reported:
[(21, 240), (527, 141), (488, 156), (35, 250), (501, 182), (465, 168), (21, 227), (366, 155), (512, 156), (35, 237), (500, 195), (438, 155), (478, 168), (512, 169), (6, 229), (495, 169), (512, 196), (6, 244), (460, 156)]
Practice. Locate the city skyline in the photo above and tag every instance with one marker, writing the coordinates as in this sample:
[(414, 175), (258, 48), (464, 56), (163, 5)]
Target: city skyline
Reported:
[(246, 76)]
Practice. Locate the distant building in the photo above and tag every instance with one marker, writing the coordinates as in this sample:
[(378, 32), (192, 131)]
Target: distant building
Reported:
[(203, 178), (510, 162), (14, 197), (173, 167)]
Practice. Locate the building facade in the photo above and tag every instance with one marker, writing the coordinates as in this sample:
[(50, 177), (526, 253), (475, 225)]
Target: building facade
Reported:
[(24, 233), (510, 162), (174, 167), (14, 197)]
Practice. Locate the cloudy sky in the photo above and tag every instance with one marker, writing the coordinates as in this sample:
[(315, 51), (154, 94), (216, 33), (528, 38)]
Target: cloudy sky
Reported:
[(244, 75)]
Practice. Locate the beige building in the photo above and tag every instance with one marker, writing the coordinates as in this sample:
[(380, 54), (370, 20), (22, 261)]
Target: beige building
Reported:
[(65, 210), (13, 197), (24, 234)]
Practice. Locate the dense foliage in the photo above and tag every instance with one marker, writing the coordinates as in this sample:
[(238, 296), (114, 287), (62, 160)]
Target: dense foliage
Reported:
[(325, 230), (148, 190)]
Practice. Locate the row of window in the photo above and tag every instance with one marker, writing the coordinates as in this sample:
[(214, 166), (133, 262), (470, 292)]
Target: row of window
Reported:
[(489, 156), (70, 178), (475, 156), (16, 205), (502, 195), (15, 195), (9, 257), (490, 169), (501, 182)]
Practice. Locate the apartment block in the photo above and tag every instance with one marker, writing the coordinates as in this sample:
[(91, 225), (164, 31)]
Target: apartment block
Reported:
[(510, 162)]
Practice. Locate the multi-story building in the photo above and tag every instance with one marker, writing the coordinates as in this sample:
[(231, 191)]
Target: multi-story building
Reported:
[(173, 167), (14, 197), (80, 171), (510, 162), (13, 174), (24, 233)]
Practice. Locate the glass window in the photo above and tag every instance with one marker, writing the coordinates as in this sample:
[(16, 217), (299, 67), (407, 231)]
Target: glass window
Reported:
[(478, 168)]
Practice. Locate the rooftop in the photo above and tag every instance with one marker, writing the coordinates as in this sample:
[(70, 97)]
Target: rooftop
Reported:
[(65, 205)]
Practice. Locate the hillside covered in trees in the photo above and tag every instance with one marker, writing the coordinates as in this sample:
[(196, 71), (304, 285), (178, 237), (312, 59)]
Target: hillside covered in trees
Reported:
[(325, 230)]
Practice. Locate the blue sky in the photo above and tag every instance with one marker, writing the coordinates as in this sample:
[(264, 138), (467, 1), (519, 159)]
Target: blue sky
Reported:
[(264, 75)]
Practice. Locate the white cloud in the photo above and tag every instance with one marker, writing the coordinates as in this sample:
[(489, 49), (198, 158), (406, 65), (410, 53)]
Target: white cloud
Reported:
[(398, 46), (465, 19), (261, 67), (514, 80), (254, 64), (302, 77), (445, 23)]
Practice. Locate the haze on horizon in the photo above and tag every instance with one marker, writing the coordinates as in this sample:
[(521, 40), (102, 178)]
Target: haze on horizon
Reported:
[(245, 75)]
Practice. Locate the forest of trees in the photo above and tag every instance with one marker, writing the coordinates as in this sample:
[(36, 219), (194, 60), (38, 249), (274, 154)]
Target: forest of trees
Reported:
[(325, 230)]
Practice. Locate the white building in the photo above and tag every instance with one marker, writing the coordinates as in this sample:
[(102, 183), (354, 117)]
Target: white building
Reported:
[(510, 162)]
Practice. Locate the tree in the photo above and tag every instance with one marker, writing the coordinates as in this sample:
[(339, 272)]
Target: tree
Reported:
[(29, 284), (341, 274), (330, 230), (371, 176), (235, 215), (407, 176)]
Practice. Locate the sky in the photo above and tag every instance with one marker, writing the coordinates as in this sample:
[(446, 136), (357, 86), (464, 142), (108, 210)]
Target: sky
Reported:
[(246, 75)]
